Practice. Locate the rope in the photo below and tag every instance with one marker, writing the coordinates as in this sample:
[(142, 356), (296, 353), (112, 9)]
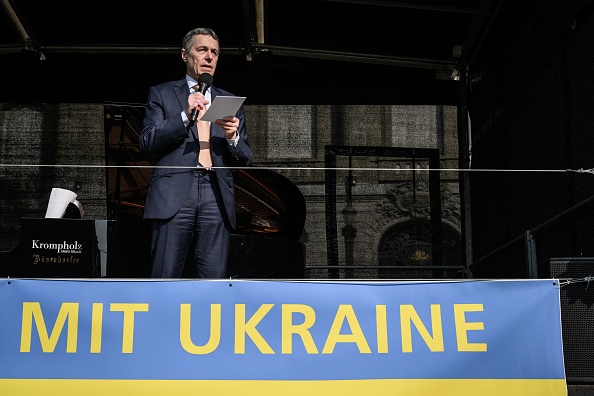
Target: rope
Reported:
[(581, 170)]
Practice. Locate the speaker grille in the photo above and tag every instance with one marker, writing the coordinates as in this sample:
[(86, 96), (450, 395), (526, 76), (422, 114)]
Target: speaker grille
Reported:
[(577, 316)]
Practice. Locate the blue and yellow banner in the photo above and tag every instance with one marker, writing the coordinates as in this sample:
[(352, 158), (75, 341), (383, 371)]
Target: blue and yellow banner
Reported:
[(183, 337)]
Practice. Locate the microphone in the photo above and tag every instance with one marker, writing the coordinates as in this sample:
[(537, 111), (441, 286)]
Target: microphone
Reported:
[(204, 81)]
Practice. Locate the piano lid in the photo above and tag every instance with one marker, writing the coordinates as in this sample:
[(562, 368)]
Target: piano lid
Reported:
[(266, 202)]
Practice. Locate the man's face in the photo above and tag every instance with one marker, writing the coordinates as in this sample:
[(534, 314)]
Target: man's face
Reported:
[(203, 56)]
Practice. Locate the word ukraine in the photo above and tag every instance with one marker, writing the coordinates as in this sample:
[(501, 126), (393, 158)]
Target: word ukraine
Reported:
[(244, 327)]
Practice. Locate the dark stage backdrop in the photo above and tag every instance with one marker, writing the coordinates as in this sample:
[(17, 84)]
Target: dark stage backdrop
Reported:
[(531, 106)]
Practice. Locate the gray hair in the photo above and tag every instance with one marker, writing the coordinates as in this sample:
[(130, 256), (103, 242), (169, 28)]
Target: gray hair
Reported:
[(189, 37)]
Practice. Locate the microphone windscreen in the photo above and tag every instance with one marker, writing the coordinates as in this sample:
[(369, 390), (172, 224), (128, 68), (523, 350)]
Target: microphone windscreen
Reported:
[(205, 78)]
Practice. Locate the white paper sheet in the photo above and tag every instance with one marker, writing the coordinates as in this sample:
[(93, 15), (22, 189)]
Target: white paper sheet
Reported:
[(222, 106)]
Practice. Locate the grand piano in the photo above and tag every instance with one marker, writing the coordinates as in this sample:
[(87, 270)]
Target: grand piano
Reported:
[(270, 220)]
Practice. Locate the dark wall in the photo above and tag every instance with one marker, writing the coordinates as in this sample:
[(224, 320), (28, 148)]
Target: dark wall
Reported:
[(531, 102)]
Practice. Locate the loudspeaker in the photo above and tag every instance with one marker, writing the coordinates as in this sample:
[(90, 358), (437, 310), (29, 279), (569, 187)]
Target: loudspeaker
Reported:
[(577, 315)]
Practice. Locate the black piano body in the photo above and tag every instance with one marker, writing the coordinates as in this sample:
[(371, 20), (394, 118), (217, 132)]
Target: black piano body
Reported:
[(57, 248), (270, 221)]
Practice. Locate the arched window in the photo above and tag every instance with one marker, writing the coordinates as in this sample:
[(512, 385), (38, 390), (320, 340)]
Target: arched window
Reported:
[(408, 245)]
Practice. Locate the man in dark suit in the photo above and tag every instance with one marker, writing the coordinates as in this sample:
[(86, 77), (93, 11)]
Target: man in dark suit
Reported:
[(191, 198)]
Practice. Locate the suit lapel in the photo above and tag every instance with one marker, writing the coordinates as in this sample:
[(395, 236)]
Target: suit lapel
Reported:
[(181, 92)]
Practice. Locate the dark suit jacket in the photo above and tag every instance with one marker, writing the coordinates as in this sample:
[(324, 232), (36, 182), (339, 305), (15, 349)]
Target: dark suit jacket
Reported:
[(165, 136)]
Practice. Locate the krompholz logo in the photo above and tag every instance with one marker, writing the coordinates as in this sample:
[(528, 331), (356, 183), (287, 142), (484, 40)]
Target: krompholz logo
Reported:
[(63, 247)]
